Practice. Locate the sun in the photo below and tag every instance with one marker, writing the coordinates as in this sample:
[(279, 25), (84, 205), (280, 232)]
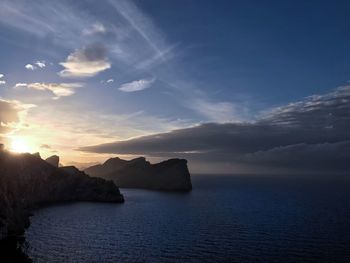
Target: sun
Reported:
[(19, 146)]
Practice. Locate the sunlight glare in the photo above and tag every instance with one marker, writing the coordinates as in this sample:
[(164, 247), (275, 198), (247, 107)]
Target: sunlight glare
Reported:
[(19, 146)]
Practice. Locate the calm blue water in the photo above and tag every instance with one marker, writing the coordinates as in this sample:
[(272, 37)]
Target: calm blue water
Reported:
[(224, 219)]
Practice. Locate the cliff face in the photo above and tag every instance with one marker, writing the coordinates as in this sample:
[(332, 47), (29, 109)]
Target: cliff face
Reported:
[(170, 175), (27, 181)]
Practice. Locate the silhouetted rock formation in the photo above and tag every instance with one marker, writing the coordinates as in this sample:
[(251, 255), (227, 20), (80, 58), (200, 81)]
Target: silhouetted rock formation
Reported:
[(72, 170), (53, 160), (171, 175), (37, 154), (27, 181)]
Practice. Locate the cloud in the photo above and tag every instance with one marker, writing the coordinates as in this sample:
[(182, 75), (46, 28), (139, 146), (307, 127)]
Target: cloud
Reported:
[(2, 82), (136, 85), (322, 156), (8, 113), (30, 67), (310, 135), (40, 64), (20, 85), (110, 80), (86, 62), (216, 111), (140, 22), (59, 22), (45, 146), (133, 39), (58, 89), (96, 28), (142, 44), (11, 113)]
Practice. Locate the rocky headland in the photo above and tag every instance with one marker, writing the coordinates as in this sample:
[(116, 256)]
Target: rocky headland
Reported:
[(169, 175), (27, 181)]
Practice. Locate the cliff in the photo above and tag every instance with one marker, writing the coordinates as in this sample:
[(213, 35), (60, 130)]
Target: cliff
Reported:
[(170, 175), (27, 181)]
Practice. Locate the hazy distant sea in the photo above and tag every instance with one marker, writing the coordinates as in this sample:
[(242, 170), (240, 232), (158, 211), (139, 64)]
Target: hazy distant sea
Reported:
[(224, 219)]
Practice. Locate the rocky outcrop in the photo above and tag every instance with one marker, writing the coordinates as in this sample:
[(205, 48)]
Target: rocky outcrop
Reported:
[(27, 181), (37, 154), (53, 160), (170, 175)]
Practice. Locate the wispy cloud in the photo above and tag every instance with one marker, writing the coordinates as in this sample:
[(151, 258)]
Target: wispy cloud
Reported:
[(96, 28), (58, 21), (216, 111), (133, 39), (148, 46), (11, 114), (58, 89), (45, 146), (30, 67), (86, 62), (2, 81), (40, 64), (158, 58), (20, 85), (140, 22), (136, 85), (36, 65), (8, 114)]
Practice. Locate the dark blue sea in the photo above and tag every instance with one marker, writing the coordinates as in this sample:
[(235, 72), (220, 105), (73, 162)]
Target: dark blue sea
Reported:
[(224, 219)]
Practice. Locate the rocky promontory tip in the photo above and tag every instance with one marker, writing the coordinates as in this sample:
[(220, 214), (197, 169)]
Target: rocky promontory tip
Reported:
[(170, 175)]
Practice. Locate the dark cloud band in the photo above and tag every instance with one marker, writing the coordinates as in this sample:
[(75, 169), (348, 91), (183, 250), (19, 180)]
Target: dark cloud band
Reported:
[(311, 134)]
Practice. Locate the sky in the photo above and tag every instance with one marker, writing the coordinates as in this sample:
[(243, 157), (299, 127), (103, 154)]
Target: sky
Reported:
[(232, 86)]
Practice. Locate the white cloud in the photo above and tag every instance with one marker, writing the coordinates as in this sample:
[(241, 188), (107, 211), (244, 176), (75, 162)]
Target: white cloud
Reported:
[(19, 85), (40, 64), (136, 85), (30, 67), (96, 28), (215, 111), (85, 62), (110, 80), (2, 82), (58, 89)]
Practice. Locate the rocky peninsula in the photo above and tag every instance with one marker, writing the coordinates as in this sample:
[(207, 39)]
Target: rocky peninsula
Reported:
[(27, 181)]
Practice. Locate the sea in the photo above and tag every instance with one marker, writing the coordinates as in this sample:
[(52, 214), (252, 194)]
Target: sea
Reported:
[(225, 218)]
